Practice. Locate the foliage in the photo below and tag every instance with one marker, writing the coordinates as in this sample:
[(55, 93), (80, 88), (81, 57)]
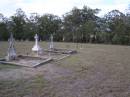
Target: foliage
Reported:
[(77, 25)]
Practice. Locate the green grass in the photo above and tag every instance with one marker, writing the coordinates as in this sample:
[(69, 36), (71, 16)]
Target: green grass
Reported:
[(8, 66)]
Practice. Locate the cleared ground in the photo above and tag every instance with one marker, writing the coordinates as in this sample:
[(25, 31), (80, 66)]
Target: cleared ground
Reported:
[(95, 71)]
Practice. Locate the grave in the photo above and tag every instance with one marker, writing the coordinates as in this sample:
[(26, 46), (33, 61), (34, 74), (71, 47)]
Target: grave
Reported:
[(37, 50), (11, 54), (37, 57), (53, 50), (24, 60)]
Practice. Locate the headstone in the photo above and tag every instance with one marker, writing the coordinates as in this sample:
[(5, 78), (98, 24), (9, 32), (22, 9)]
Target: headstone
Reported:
[(36, 48), (51, 42), (11, 54)]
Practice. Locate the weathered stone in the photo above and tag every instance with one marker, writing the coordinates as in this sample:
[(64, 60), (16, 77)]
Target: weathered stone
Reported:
[(11, 54)]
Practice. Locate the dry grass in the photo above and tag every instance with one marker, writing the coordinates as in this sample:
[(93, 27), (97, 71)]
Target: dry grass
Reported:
[(33, 87), (95, 71)]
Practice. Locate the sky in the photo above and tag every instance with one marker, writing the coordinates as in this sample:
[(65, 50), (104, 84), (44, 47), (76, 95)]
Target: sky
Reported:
[(60, 7)]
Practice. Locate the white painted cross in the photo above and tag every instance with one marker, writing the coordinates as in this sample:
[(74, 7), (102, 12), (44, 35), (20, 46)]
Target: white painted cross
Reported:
[(36, 47)]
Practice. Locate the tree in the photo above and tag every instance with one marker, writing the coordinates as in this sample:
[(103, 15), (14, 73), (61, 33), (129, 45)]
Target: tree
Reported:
[(71, 24), (78, 21), (3, 28), (117, 24), (78, 25), (49, 24), (19, 21)]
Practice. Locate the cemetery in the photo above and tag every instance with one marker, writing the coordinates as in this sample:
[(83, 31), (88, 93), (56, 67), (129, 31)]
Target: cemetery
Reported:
[(94, 70), (37, 57), (65, 48)]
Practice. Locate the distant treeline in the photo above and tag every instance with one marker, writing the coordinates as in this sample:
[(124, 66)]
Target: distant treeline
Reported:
[(78, 25)]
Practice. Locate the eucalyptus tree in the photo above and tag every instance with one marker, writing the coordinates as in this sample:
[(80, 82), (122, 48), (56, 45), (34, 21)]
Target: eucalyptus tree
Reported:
[(79, 24), (128, 23), (72, 22), (49, 24), (90, 23), (32, 25), (117, 24), (103, 31), (3, 28), (19, 22)]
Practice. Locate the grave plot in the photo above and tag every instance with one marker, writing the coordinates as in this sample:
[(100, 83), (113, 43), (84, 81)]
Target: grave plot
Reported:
[(38, 55), (54, 50), (27, 61), (61, 51), (24, 60), (53, 55), (51, 52)]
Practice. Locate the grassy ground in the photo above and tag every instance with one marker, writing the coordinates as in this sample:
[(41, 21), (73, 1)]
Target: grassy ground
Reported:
[(95, 71), (8, 66)]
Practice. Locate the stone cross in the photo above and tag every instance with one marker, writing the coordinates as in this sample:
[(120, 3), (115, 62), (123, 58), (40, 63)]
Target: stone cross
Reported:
[(36, 39), (51, 42), (11, 54), (36, 47)]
